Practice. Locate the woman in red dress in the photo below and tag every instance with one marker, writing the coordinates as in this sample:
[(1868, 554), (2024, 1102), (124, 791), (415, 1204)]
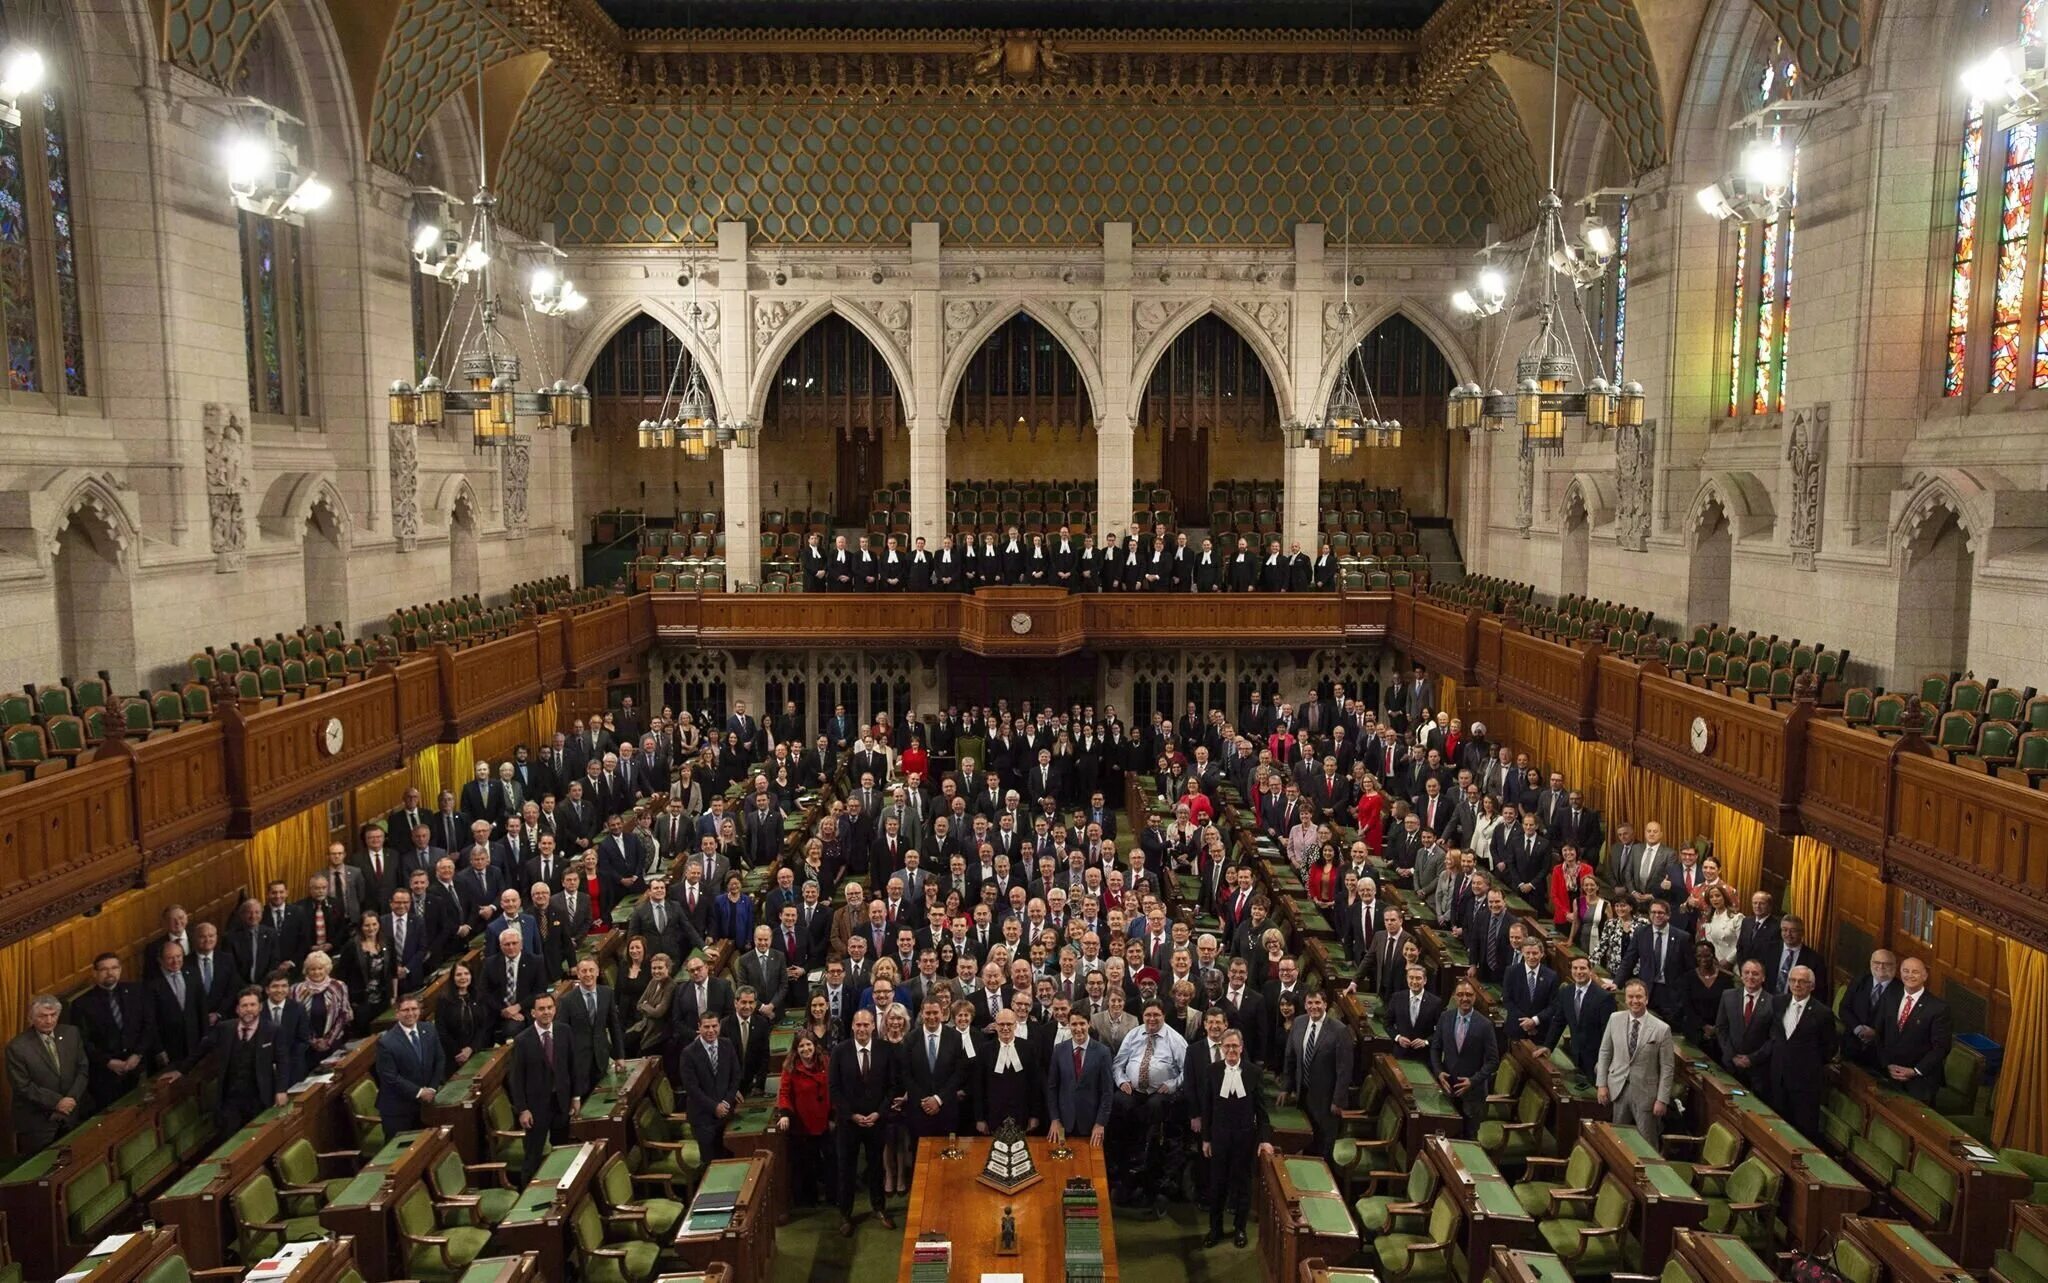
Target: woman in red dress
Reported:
[(1324, 876), (600, 912), (915, 761), (1371, 822)]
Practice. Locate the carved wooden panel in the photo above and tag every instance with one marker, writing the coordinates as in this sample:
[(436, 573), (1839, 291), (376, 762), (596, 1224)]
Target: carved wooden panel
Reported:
[(278, 762), (417, 687), (1367, 616), (1550, 679), (1172, 619), (1025, 622), (1616, 696), (599, 639), (1848, 787), (1442, 639), (1974, 843), (554, 667), (1486, 660), (1744, 768), (482, 684), (181, 791), (68, 844)]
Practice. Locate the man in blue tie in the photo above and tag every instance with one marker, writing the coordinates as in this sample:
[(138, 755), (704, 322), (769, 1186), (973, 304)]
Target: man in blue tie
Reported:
[(711, 1086), (1463, 1056), (410, 1066)]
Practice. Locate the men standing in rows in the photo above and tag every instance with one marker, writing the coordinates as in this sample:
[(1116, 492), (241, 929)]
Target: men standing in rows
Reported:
[(1801, 1041), (46, 1076), (114, 1022)]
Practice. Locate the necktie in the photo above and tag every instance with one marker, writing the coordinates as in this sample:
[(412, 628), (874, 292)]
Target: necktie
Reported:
[(1748, 1010), (1145, 1060), (1579, 1002), (206, 972), (1308, 1044), (1906, 1010), (377, 865), (660, 918), (590, 1003), (547, 1049), (1785, 975), (412, 1036), (1462, 1019), (245, 1037), (1635, 1026), (276, 1017), (1660, 954), (863, 1062), (711, 1051), (50, 1048), (398, 933), (931, 1052), (746, 1027), (178, 986)]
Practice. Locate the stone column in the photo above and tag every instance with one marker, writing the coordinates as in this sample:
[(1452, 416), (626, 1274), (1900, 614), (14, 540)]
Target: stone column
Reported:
[(1301, 470), (1115, 466), (1301, 478), (928, 516), (742, 479)]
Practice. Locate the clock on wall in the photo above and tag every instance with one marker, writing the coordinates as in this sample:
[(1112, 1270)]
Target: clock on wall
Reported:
[(332, 736), (1020, 623), (1702, 735)]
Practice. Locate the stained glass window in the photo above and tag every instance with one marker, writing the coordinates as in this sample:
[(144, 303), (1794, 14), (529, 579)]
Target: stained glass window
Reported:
[(42, 323), (1740, 313), (1964, 262), (273, 271), (2009, 284), (1620, 289), (1761, 295)]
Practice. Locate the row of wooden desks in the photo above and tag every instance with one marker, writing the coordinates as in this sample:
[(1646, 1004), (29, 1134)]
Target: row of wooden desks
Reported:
[(1818, 1191), (1302, 1215), (197, 1206), (366, 1209), (1573, 1100), (1489, 1217), (1662, 1201), (731, 1221), (1907, 1255), (539, 1221)]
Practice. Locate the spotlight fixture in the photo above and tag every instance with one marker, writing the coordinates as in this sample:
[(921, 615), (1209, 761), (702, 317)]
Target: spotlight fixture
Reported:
[(261, 165), (1486, 296), (553, 294), (21, 73)]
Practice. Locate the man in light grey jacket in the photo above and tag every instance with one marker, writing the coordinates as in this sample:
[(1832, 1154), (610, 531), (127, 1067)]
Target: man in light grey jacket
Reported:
[(1634, 1073)]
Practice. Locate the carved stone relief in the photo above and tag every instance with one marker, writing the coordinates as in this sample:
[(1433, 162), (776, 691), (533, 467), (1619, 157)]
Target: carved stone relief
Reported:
[(1085, 315), (893, 315), (1337, 319), (1525, 491), (227, 482), (1148, 317), (1634, 479), (405, 486), (703, 318), (770, 315), (1271, 316), (1807, 455), (961, 316), (517, 461)]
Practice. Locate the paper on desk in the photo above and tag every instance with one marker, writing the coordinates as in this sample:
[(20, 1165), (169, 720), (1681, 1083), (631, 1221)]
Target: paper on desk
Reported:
[(1002, 1278), (109, 1245)]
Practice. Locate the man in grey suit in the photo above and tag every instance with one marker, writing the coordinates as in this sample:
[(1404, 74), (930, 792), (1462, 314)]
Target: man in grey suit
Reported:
[(1318, 1068), (1634, 1073), (1647, 871), (46, 1074), (766, 970)]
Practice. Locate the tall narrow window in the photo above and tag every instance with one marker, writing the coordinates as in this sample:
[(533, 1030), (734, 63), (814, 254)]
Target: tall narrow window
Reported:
[(1963, 265), (42, 322), (1740, 313), (1762, 288), (1620, 290), (2009, 285), (273, 273)]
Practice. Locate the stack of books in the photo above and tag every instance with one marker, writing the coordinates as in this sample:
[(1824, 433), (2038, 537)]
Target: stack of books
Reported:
[(1081, 1214), (931, 1260)]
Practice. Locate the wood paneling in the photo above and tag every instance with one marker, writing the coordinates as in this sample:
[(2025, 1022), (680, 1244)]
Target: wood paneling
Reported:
[(1747, 762), (1971, 842), (1616, 701), (71, 847), (419, 701), (277, 760), (180, 787), (597, 638), (482, 684), (1441, 638), (1847, 797), (1550, 679)]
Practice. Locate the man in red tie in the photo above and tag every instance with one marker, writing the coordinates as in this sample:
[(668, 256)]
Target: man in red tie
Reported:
[(542, 1082), (1742, 1026), (1913, 1046)]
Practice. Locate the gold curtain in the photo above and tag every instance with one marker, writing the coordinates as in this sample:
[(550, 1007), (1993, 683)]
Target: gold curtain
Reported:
[(1739, 846), (2020, 1116), (1810, 893), (1447, 696), (289, 849)]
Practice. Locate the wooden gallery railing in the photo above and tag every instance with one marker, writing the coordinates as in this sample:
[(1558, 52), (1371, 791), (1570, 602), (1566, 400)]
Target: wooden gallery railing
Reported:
[(1964, 839), (71, 840)]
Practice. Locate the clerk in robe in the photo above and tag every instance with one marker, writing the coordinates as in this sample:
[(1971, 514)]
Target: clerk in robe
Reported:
[(1207, 575), (946, 566), (1326, 569), (1066, 561), (866, 572), (1235, 1130), (815, 579), (920, 567), (1037, 566), (841, 566), (892, 571), (1243, 570), (991, 560), (1011, 1085), (1273, 569)]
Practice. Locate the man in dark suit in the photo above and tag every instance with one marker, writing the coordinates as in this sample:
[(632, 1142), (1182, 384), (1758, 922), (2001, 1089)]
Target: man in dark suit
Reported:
[(248, 1063), (480, 801), (1078, 1085), (1581, 1009), (598, 1032), (1791, 951), (315, 921), (1235, 1130), (114, 1021), (1801, 1041), (935, 1073), (378, 868), (412, 940), (1759, 934), (1463, 1055), (1659, 955), (863, 1081), (1528, 989), (512, 982), (748, 1031), (698, 993), (46, 1075), (710, 1070), (410, 1066), (286, 1020), (542, 1080), (408, 815), (667, 929), (252, 943), (1317, 1070), (765, 969), (1743, 1025), (1867, 1005), (1412, 1015), (1529, 860), (172, 999), (1914, 1041)]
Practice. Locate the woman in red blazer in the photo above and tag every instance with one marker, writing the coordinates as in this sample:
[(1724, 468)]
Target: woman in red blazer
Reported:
[(805, 1116)]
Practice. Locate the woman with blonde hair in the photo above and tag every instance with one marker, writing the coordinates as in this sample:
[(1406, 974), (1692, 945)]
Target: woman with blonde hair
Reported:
[(325, 1000)]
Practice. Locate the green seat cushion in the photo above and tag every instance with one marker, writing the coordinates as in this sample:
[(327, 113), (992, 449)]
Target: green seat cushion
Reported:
[(1880, 1163), (496, 1203), (1376, 1215), (1921, 1197), (1396, 1255), (662, 1215), (1534, 1196), (2010, 1266), (90, 1214), (464, 1245), (641, 1258), (2032, 1249)]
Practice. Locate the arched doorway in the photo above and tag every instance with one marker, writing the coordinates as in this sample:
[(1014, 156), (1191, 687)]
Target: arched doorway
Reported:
[(834, 393), (95, 603), (464, 577), (1020, 442), (1935, 588), (1208, 402), (1713, 554), (325, 564)]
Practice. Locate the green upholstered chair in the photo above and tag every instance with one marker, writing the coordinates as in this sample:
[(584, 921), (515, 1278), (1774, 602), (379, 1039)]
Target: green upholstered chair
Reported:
[(1719, 1150), (261, 1225), (507, 1140), (2024, 1260), (1577, 1172), (362, 1111), (631, 1261), (1432, 1254), (662, 1157), (1926, 1189), (2036, 1168), (1405, 1212), (91, 1198), (649, 1218), (1855, 1264), (1748, 1208), (1596, 1241), (458, 1203), (303, 1187), (1513, 1140), (432, 1251)]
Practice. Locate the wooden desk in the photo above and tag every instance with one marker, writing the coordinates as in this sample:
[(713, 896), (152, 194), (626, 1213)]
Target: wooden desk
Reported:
[(1426, 1110), (539, 1221), (1301, 1215), (1314, 1270), (947, 1197), (330, 1261), (744, 1238), (330, 1121), (524, 1268), (1907, 1255), (1486, 1204), (197, 1204), (1621, 1149), (608, 1111), (1505, 1265), (1818, 1191), (366, 1209), (1573, 1100), (458, 1104), (1719, 1258)]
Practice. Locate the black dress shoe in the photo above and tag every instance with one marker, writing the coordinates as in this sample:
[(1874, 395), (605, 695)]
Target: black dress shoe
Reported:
[(1238, 1239), (888, 1221), (1213, 1238), (846, 1229)]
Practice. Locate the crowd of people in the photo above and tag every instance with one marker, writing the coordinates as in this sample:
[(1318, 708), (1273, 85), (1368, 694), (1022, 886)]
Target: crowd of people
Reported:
[(1140, 561), (966, 943)]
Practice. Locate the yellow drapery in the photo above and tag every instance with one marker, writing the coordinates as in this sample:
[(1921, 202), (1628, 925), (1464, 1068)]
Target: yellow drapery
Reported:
[(289, 850), (1447, 696), (2020, 1115), (1810, 893), (439, 766)]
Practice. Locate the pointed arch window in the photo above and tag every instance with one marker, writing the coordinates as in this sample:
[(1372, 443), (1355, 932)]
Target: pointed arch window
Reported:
[(273, 256), (1760, 290), (1996, 337), (42, 320)]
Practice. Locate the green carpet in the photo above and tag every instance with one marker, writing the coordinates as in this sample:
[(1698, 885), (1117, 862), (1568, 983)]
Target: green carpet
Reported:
[(1164, 1251)]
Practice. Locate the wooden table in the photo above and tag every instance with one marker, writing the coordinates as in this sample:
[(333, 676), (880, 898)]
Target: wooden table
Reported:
[(1719, 1258), (1506, 1265), (1315, 1270), (946, 1197), (744, 1238), (607, 1113), (458, 1104), (1426, 1110), (1572, 1099), (539, 1221), (367, 1209), (1908, 1255), (197, 1204), (1486, 1204), (1819, 1191), (524, 1268), (1301, 1215)]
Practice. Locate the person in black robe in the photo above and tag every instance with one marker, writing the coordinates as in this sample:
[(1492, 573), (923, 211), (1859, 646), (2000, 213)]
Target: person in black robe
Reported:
[(1012, 1082), (1235, 1130)]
